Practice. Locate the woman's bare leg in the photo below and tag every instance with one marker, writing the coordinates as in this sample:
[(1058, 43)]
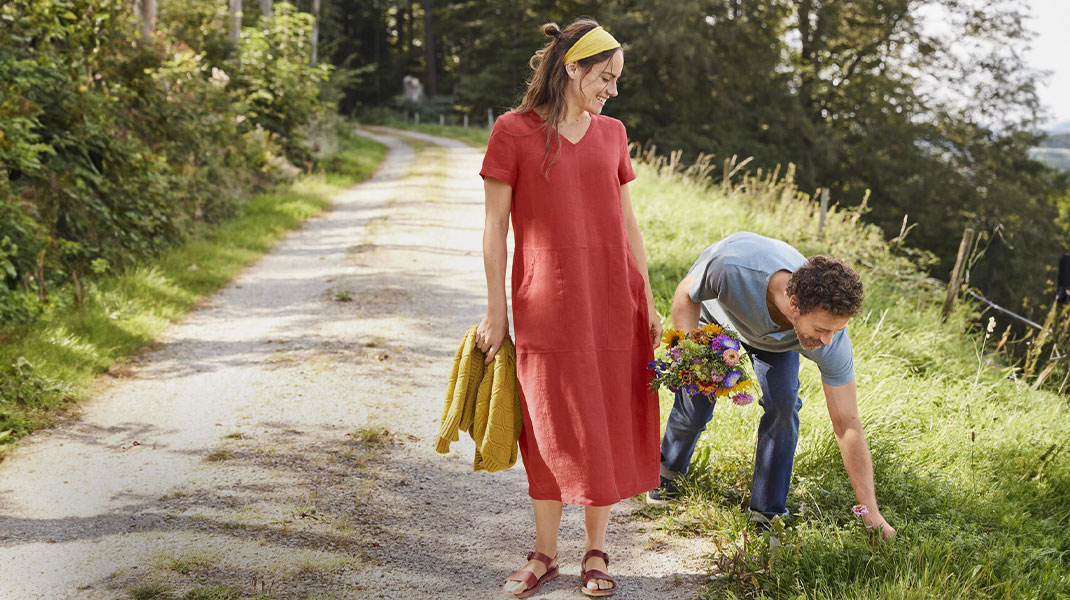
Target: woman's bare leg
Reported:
[(597, 522), (547, 524)]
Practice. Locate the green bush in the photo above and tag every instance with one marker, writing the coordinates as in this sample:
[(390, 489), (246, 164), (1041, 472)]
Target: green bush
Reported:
[(113, 145)]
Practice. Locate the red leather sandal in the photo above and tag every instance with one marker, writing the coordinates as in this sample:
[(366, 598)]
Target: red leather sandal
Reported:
[(529, 579), (594, 574)]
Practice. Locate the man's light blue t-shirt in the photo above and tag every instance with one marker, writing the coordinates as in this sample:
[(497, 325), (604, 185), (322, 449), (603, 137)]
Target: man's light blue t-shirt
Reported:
[(730, 279)]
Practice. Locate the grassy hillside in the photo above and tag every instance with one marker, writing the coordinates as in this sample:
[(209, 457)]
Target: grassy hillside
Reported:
[(56, 360), (971, 467)]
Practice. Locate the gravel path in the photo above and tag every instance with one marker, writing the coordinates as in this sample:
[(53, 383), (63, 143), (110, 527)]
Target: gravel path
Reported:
[(279, 441)]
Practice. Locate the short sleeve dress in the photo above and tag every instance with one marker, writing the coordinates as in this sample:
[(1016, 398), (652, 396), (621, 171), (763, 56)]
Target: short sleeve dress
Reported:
[(591, 422)]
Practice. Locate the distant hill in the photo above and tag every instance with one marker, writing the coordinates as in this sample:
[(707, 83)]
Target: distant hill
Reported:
[(1059, 140), (1054, 150), (1058, 158), (1060, 127)]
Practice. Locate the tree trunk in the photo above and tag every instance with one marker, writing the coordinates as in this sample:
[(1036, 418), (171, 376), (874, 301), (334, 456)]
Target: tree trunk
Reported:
[(147, 11), (429, 48), (235, 20), (265, 8), (315, 29)]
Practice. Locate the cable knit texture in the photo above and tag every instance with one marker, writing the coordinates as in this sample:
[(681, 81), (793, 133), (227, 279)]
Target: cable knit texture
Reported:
[(483, 401)]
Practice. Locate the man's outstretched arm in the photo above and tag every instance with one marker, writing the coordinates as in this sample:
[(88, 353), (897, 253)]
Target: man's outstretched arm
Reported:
[(842, 401)]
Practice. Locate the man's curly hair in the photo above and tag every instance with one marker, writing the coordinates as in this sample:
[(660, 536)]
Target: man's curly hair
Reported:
[(827, 283)]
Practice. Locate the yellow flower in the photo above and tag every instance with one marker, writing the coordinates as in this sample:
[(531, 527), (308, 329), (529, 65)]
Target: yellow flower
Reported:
[(672, 337), (713, 329)]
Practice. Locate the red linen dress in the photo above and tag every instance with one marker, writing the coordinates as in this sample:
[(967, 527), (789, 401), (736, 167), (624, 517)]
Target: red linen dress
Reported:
[(591, 422)]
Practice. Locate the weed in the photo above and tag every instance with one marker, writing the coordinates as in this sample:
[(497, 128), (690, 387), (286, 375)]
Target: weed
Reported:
[(187, 561), (220, 455), (153, 591)]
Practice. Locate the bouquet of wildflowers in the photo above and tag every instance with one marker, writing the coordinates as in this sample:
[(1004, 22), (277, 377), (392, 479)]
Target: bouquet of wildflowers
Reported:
[(710, 361)]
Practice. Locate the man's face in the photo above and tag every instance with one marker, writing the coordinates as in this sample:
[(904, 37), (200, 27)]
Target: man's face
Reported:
[(817, 327)]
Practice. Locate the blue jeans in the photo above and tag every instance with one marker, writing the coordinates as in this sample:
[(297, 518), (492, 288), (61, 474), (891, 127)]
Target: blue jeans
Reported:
[(778, 431)]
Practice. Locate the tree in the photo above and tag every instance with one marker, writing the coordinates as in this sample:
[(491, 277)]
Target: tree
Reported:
[(235, 20), (147, 10), (429, 48)]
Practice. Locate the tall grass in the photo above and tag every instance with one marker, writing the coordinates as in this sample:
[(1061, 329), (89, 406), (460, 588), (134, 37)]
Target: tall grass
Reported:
[(53, 362), (970, 466)]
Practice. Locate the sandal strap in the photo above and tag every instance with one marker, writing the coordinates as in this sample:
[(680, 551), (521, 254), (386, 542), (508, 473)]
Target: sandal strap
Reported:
[(528, 578), (595, 554), (539, 556), (595, 574)]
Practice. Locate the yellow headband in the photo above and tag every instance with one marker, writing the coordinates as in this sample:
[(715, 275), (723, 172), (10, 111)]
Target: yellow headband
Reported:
[(594, 41)]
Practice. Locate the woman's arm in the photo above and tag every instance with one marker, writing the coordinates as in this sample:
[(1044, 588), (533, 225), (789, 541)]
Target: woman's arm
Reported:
[(495, 325), (635, 241)]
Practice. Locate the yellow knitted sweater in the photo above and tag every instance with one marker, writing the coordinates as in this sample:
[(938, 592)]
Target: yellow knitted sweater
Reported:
[(484, 401)]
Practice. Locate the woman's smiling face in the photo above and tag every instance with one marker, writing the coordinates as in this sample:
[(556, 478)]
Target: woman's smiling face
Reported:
[(593, 88)]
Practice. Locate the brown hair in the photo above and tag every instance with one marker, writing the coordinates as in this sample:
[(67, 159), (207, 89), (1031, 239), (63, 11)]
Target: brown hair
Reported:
[(827, 283), (548, 83)]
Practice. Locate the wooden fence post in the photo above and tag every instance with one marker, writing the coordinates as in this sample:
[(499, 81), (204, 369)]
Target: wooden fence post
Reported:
[(490, 118), (957, 272), (466, 120), (442, 119)]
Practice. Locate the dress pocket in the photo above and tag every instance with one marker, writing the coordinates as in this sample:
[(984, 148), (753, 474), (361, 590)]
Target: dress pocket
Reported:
[(539, 308)]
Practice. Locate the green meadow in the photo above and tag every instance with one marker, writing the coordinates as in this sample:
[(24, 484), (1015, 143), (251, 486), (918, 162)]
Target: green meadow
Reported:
[(54, 363)]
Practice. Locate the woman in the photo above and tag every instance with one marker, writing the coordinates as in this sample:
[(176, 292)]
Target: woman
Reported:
[(584, 314)]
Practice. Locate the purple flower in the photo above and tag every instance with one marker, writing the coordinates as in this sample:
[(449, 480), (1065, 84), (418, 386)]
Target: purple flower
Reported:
[(696, 361), (719, 343), (652, 365), (674, 353), (742, 399), (731, 344), (732, 378), (860, 510), (691, 389), (673, 389)]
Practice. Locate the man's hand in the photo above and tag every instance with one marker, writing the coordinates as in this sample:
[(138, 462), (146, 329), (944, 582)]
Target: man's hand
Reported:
[(490, 334), (875, 522)]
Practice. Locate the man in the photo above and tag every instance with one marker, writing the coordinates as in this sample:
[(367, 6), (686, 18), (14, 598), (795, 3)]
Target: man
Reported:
[(782, 305)]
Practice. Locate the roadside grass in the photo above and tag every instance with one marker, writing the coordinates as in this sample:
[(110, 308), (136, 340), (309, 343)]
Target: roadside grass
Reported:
[(971, 466), (56, 360)]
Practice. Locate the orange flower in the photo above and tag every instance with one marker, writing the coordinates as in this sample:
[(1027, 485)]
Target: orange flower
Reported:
[(699, 335)]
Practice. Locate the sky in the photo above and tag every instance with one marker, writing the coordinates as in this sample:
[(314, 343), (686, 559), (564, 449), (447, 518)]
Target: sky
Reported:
[(1051, 52)]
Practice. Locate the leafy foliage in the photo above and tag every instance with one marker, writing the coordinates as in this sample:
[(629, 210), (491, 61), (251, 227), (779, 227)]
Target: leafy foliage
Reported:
[(113, 146)]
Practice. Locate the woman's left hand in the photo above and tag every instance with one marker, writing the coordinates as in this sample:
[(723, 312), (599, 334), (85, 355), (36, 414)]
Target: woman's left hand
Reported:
[(655, 327)]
